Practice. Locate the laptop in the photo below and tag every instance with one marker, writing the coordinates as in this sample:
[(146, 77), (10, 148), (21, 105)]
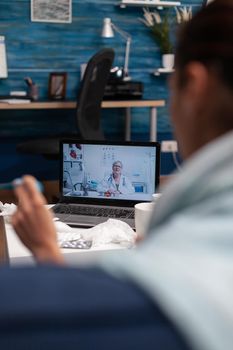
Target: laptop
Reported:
[(101, 180)]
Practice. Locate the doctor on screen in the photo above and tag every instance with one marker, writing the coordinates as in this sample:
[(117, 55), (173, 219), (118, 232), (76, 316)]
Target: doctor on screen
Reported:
[(116, 182)]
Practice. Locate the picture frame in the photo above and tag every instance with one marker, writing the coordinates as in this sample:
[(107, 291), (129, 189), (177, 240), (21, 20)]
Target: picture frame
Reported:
[(57, 85), (56, 11)]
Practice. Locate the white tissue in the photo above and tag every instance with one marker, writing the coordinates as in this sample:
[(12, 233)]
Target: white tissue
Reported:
[(111, 231), (65, 233), (62, 227), (7, 210)]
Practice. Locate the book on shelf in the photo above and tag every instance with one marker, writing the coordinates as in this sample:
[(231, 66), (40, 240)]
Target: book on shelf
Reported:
[(14, 100)]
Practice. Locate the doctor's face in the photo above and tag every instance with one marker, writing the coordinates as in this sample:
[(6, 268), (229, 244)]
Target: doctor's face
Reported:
[(116, 168)]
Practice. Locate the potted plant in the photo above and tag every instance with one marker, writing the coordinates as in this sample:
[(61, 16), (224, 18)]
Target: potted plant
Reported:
[(161, 30)]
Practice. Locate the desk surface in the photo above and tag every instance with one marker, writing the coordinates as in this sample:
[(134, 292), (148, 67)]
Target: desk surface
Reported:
[(72, 104), (19, 254)]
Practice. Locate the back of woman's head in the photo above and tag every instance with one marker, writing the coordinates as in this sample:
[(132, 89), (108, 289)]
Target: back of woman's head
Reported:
[(208, 38)]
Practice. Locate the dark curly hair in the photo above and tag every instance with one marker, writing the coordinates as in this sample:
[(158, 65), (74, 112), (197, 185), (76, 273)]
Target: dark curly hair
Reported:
[(208, 38)]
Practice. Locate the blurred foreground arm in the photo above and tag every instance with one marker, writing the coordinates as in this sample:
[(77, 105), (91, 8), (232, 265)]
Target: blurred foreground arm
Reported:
[(33, 223)]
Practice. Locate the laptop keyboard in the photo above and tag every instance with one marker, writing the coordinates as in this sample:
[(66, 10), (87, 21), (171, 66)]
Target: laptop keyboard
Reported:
[(94, 211)]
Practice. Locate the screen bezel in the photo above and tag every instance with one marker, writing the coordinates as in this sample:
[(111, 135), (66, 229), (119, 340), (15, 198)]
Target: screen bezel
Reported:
[(105, 201)]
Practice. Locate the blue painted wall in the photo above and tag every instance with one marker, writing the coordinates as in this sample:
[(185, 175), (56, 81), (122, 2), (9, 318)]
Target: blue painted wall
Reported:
[(37, 49)]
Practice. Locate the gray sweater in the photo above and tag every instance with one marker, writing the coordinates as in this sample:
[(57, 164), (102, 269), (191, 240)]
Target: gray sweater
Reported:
[(186, 262)]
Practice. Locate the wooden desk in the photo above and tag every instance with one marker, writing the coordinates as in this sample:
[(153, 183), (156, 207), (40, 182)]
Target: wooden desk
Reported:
[(13, 252), (152, 104)]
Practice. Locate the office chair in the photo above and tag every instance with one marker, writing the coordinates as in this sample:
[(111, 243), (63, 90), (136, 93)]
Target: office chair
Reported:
[(52, 307), (88, 113)]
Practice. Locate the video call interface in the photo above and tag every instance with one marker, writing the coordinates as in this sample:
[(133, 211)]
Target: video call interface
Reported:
[(109, 171)]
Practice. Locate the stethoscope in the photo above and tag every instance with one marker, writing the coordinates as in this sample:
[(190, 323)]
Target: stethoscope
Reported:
[(110, 179)]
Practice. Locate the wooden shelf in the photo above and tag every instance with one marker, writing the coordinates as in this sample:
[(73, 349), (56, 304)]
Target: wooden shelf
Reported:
[(149, 3), (73, 104)]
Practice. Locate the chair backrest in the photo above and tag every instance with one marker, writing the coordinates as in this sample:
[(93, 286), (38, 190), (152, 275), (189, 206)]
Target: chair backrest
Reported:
[(91, 94)]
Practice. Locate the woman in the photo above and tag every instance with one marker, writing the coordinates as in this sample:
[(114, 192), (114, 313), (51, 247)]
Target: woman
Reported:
[(185, 265)]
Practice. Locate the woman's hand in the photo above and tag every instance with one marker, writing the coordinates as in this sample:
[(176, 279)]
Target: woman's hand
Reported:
[(33, 223)]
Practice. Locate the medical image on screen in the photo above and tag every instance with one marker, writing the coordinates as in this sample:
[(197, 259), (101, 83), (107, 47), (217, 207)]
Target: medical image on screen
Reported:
[(108, 171)]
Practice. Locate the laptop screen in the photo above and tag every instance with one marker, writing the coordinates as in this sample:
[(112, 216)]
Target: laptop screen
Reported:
[(114, 171)]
